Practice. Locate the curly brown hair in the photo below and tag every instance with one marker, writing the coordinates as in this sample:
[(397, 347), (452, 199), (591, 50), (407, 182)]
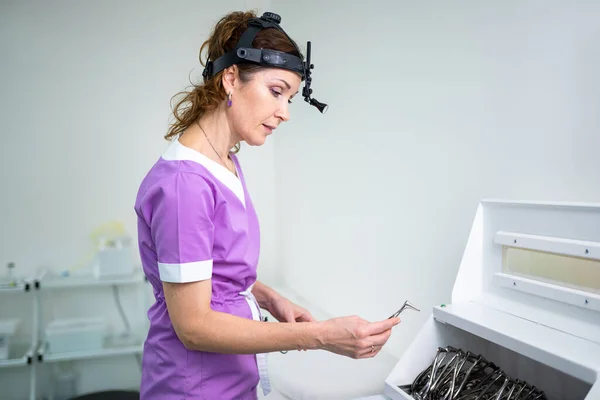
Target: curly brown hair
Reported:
[(206, 97)]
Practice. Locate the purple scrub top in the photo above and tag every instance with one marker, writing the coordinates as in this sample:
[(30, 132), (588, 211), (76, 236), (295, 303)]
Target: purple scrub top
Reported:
[(195, 222)]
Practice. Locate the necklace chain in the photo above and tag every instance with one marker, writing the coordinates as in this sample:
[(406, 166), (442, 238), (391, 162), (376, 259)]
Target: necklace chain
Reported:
[(213, 147)]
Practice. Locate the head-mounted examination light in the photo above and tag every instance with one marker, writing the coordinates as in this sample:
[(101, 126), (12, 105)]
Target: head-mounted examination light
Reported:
[(245, 53)]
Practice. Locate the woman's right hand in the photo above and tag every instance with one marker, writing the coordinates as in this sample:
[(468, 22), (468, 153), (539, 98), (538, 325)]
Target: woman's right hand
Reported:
[(356, 338)]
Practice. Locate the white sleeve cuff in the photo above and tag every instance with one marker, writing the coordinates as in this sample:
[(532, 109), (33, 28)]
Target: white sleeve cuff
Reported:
[(187, 272)]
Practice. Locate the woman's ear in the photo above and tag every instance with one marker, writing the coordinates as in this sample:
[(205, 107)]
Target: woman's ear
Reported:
[(230, 78)]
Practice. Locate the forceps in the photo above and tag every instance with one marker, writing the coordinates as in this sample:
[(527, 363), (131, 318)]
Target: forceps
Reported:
[(407, 304)]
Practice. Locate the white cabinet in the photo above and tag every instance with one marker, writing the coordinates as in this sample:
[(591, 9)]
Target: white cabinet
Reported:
[(526, 299)]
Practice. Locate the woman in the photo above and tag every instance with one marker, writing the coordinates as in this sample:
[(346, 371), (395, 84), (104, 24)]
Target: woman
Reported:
[(199, 238)]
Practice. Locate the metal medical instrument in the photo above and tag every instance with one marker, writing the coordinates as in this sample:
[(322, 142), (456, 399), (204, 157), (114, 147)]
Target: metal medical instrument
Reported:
[(458, 375), (407, 304)]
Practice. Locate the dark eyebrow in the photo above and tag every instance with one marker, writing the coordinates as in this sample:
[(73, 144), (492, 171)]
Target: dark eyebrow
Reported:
[(286, 84)]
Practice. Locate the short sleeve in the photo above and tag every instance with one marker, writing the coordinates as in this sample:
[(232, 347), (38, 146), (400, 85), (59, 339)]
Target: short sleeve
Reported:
[(182, 228)]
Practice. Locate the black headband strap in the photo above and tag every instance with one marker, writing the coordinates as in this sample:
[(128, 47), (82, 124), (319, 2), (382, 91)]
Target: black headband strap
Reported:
[(244, 52)]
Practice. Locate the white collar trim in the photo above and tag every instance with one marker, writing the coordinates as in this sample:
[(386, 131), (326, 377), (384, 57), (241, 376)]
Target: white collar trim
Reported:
[(179, 152)]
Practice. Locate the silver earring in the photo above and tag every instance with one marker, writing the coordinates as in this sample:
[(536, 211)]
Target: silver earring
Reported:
[(229, 100)]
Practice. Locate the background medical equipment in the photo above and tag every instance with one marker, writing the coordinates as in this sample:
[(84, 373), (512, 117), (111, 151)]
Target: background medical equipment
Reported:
[(76, 334), (110, 254), (112, 251), (8, 327), (511, 307), (114, 257), (245, 53), (10, 280)]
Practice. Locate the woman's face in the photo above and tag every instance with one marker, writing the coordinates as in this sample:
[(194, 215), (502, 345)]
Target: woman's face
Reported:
[(261, 104)]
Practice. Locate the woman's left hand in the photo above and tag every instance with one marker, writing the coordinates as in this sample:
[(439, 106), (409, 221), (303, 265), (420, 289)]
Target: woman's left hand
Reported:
[(286, 311)]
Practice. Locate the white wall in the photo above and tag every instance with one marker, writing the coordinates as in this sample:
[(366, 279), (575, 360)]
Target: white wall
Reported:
[(433, 105), (85, 102)]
